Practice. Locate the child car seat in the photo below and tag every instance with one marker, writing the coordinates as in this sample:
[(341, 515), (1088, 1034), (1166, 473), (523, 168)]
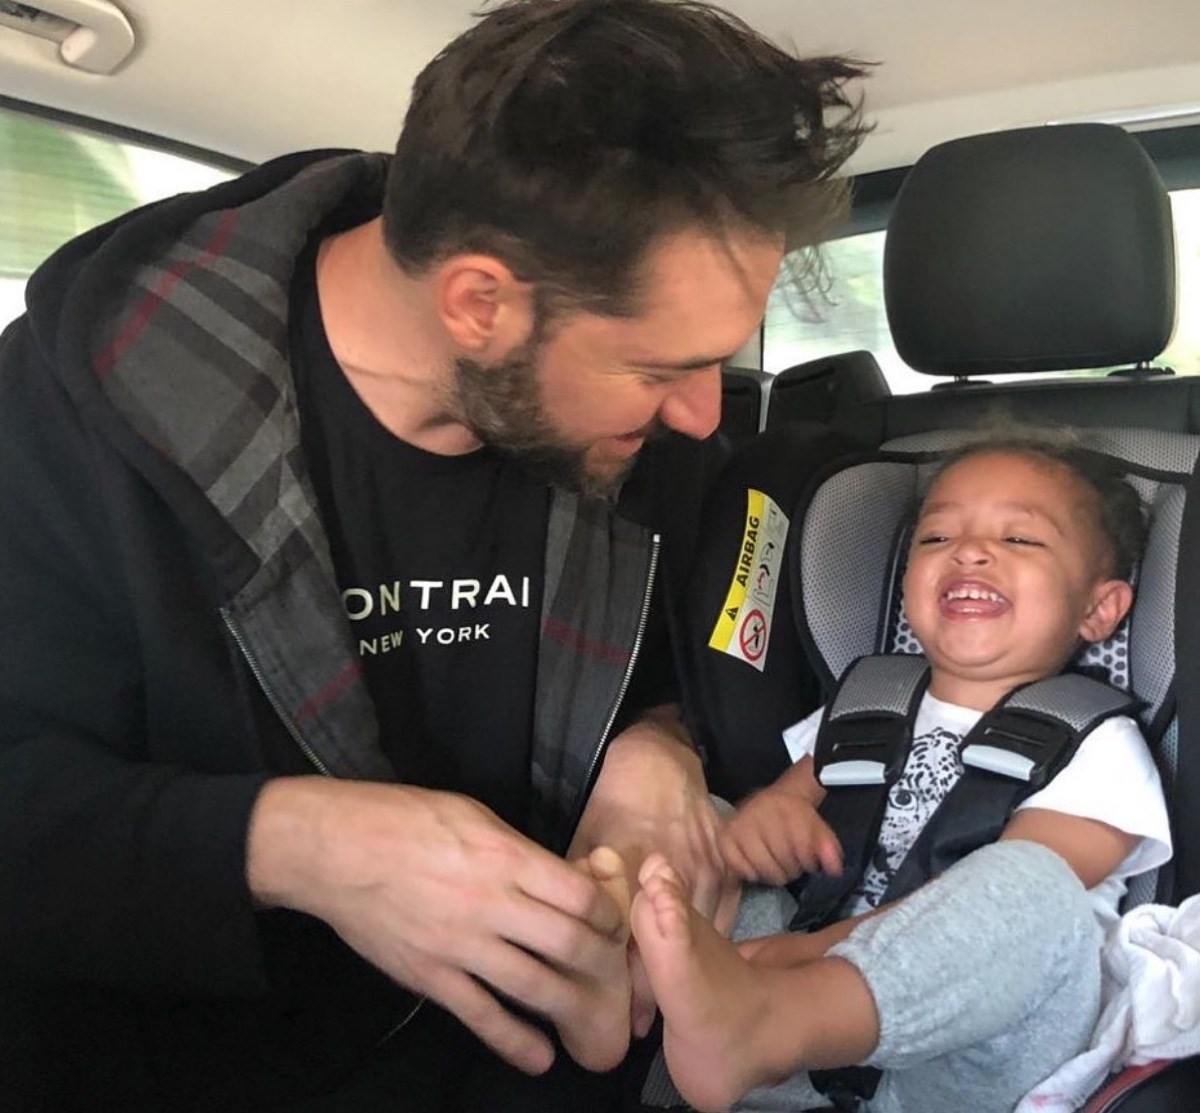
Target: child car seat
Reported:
[(771, 634), (844, 542)]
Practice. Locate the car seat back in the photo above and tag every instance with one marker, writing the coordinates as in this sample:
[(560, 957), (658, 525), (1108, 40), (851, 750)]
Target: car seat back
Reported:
[(819, 388), (743, 401), (1030, 251)]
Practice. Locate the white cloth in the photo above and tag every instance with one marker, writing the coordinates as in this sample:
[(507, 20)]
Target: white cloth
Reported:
[(1112, 778), (1151, 1004)]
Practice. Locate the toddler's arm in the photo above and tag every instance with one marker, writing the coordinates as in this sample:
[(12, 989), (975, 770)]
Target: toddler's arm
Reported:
[(1091, 848)]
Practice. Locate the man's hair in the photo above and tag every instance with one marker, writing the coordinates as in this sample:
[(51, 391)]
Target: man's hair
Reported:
[(565, 137), (1117, 511)]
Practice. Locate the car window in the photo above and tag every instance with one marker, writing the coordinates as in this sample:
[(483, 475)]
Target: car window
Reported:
[(852, 315), (58, 180)]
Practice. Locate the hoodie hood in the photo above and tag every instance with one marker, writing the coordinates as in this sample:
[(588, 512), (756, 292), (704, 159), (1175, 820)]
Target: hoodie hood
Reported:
[(168, 328)]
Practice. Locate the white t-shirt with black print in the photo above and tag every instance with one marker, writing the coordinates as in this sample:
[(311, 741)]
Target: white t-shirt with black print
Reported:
[(1112, 778)]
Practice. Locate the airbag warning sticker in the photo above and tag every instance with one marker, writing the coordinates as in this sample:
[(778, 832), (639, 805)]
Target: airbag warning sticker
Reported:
[(743, 627)]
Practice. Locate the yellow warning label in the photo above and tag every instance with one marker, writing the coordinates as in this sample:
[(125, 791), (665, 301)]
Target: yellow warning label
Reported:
[(743, 628)]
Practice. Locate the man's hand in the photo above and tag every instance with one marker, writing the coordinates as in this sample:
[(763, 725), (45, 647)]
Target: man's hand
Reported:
[(651, 796), (450, 902)]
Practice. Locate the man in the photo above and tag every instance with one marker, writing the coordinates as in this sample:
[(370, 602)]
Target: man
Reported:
[(338, 570)]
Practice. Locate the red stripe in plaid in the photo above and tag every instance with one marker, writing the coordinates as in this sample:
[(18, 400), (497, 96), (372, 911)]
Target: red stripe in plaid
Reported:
[(145, 310), (603, 651), (330, 692)]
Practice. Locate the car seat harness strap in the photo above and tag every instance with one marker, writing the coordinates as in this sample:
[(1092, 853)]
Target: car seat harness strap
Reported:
[(1013, 751), (861, 749)]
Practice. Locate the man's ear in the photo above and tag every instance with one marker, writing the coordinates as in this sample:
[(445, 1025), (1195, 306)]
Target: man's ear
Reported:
[(485, 310), (1111, 600)]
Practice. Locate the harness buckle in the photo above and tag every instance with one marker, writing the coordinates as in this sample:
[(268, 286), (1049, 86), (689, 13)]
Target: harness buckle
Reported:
[(1019, 746), (861, 750)]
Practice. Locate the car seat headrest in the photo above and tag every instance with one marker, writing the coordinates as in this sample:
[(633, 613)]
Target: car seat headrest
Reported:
[(1037, 249)]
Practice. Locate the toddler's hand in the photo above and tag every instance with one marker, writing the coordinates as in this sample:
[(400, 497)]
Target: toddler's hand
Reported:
[(775, 836)]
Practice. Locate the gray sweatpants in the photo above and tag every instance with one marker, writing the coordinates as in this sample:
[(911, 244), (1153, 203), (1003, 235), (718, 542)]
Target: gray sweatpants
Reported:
[(985, 981)]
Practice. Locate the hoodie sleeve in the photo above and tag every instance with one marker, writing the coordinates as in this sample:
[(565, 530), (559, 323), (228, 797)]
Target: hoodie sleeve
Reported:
[(121, 860)]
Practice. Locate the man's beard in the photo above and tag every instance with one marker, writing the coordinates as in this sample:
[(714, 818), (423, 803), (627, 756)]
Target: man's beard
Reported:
[(502, 406)]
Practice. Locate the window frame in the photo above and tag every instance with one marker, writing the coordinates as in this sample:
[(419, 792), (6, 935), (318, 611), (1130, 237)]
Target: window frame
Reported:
[(122, 134)]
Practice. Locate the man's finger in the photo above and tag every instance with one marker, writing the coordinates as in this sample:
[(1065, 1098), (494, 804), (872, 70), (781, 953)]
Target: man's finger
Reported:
[(735, 857), (514, 1040), (556, 941), (552, 882), (727, 906), (768, 950), (540, 986)]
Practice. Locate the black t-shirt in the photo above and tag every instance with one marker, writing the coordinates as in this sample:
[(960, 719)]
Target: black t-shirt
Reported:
[(440, 563)]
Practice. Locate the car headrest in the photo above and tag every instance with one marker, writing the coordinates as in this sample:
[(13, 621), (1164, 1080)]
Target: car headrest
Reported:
[(1038, 249)]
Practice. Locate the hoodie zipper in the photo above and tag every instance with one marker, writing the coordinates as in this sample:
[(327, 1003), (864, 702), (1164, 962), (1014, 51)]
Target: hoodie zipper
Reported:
[(634, 653), (272, 699)]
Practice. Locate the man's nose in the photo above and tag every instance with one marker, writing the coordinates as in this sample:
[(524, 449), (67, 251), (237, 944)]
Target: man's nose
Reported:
[(693, 405)]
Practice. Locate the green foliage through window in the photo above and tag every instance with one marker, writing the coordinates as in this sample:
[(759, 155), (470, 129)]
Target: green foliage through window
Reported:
[(58, 181), (55, 183)]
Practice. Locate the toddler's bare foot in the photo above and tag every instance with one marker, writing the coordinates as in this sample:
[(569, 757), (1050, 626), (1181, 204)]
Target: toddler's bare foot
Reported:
[(711, 999), (598, 1037)]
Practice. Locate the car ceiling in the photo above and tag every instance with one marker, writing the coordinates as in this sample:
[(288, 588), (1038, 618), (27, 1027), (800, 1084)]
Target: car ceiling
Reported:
[(254, 78)]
